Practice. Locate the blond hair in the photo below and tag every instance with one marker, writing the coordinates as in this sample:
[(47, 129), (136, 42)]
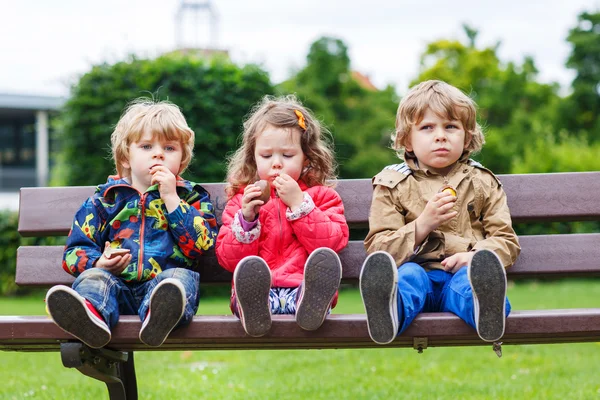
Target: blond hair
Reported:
[(280, 112), (444, 100), (162, 118)]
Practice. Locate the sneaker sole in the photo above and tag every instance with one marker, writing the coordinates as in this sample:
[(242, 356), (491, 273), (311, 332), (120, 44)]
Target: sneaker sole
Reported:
[(378, 281), (252, 281), (72, 317), (322, 276), (488, 282), (163, 318)]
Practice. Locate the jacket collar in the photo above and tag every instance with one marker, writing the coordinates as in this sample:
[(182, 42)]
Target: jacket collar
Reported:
[(115, 181)]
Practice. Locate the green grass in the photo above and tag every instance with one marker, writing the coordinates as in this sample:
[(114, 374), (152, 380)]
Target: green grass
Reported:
[(559, 371)]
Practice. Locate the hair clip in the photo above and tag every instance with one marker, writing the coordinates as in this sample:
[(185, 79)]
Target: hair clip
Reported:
[(301, 121)]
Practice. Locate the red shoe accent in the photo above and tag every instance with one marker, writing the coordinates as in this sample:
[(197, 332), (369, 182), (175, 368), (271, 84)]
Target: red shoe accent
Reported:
[(93, 310)]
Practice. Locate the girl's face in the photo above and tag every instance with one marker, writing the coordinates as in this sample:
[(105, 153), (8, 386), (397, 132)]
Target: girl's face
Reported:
[(277, 151)]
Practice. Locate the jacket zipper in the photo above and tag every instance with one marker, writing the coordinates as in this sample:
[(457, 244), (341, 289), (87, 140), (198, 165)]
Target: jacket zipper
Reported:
[(280, 227), (142, 230)]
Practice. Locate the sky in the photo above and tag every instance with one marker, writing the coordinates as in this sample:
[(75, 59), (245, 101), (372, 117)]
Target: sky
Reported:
[(46, 45)]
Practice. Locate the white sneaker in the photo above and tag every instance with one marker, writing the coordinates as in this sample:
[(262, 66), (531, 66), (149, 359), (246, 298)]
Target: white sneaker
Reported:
[(379, 291), (488, 282)]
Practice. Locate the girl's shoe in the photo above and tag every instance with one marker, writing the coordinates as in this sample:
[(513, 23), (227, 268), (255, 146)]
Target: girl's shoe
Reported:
[(322, 276), (252, 283)]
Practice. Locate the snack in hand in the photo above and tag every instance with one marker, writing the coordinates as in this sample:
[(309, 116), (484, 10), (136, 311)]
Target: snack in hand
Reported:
[(265, 188), (109, 252), (448, 189)]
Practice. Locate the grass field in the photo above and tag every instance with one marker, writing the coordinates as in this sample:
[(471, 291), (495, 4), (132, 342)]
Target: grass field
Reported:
[(569, 371)]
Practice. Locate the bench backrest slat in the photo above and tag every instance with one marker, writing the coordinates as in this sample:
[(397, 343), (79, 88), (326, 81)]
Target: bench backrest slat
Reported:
[(542, 256), (531, 197)]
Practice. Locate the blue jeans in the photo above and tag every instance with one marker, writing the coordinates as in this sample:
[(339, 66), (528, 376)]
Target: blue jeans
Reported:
[(434, 291), (112, 296)]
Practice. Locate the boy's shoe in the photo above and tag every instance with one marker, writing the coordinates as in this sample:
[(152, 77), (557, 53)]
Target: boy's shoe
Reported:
[(488, 281), (252, 283), (322, 276), (167, 305), (379, 291), (77, 316)]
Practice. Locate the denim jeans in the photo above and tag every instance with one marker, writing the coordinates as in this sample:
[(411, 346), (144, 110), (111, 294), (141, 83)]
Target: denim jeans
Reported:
[(113, 297), (434, 291)]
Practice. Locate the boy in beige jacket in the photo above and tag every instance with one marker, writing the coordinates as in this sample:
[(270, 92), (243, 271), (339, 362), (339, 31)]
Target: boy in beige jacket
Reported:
[(442, 218)]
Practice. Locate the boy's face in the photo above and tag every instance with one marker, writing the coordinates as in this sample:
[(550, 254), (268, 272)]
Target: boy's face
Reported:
[(148, 153), (437, 142), (278, 150)]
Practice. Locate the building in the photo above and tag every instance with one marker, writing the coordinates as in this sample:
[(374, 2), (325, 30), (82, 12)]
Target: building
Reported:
[(24, 143)]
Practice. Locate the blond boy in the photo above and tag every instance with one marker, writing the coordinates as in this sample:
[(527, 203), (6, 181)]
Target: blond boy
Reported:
[(440, 233), (133, 243)]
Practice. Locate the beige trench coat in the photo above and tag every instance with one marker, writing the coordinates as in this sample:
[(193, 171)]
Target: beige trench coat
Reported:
[(400, 193)]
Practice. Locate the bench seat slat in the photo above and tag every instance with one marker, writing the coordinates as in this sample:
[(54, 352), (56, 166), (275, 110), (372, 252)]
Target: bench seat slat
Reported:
[(531, 197), (39, 333), (542, 256)]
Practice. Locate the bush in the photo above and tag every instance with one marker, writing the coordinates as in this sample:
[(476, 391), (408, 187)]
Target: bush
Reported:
[(10, 240), (213, 95)]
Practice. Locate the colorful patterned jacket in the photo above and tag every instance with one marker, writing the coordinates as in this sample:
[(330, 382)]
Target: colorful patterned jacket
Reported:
[(126, 218)]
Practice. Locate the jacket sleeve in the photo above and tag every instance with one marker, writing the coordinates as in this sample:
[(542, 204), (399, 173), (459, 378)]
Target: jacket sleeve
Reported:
[(497, 225), (229, 249), (193, 225), (84, 243), (388, 230), (325, 225)]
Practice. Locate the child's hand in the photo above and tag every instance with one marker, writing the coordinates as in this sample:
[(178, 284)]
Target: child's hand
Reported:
[(457, 261), (437, 211), (250, 203), (114, 265), (288, 191), (166, 186)]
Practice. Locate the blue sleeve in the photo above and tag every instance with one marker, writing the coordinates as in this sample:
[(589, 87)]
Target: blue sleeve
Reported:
[(84, 243), (193, 224)]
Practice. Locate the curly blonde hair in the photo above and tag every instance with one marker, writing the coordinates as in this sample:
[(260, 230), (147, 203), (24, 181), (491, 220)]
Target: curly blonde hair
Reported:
[(164, 119), (280, 112), (444, 100)]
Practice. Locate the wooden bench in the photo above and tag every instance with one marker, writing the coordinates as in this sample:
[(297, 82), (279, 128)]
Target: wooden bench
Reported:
[(532, 197)]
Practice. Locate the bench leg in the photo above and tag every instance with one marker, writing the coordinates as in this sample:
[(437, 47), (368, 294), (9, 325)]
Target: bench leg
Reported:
[(114, 368)]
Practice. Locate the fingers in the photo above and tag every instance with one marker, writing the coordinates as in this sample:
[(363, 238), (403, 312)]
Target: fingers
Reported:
[(285, 183), (123, 262), (161, 174), (109, 262), (282, 179), (116, 265), (447, 263), (250, 193), (442, 199), (160, 168)]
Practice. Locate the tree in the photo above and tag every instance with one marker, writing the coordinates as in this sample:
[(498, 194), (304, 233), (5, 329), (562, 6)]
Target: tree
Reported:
[(581, 114), (360, 119), (214, 96), (510, 99)]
